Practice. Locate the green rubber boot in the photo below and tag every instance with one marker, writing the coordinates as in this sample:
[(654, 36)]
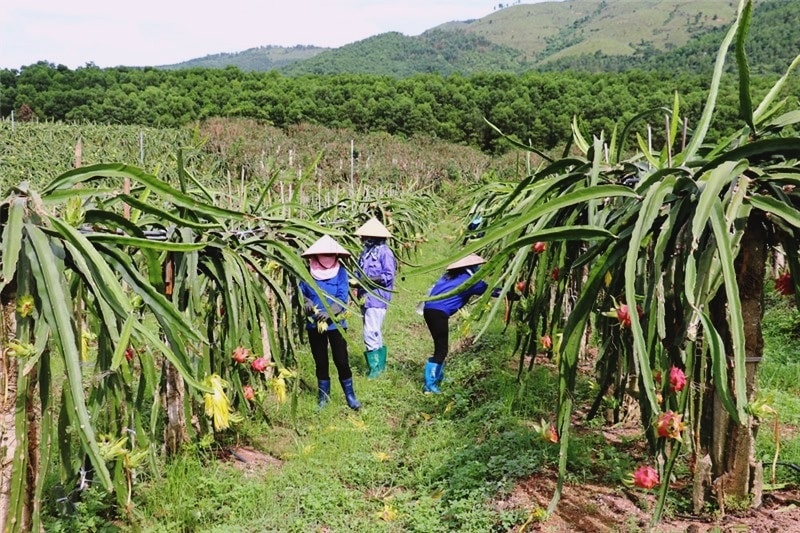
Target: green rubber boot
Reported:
[(379, 363), (373, 362), (382, 359)]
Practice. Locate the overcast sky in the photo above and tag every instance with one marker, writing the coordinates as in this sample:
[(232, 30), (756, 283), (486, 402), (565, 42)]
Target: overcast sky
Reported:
[(110, 33)]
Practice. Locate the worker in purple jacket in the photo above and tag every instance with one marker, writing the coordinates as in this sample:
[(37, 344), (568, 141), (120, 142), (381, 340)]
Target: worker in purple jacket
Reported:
[(377, 266), (437, 313)]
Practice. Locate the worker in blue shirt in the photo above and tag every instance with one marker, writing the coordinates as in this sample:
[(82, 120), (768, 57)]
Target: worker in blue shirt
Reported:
[(472, 227), (324, 330), (437, 313)]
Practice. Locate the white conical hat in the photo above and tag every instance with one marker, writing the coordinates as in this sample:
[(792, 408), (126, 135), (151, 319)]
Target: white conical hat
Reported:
[(470, 260), (373, 228), (325, 245)]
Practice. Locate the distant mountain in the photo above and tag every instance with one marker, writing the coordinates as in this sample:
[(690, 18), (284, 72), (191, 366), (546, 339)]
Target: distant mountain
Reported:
[(262, 58), (553, 30), (594, 35), (395, 54), (772, 44)]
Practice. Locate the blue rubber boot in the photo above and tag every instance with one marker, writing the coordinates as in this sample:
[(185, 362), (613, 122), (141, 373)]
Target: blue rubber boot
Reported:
[(324, 392), (440, 374), (431, 371), (349, 394)]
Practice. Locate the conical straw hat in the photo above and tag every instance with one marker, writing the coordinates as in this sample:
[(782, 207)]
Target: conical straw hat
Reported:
[(325, 245), (373, 228), (470, 260)]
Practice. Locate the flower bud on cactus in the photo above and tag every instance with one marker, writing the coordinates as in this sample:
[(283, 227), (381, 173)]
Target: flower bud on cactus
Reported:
[(25, 305), (547, 342)]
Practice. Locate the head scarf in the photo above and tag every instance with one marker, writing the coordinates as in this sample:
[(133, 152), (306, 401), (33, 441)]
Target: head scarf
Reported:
[(324, 266), (371, 245)]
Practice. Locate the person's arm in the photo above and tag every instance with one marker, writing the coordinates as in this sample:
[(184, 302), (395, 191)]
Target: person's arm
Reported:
[(308, 299), (391, 266), (358, 272), (385, 278), (478, 289), (342, 292)]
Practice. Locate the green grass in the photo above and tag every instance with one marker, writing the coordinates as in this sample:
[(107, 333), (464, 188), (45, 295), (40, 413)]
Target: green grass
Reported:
[(407, 461), (779, 385)]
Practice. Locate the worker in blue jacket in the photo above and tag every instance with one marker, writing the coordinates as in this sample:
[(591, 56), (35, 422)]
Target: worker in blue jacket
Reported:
[(437, 313), (325, 328)]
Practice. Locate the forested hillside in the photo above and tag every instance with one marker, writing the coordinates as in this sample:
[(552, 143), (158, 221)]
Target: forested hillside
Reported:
[(262, 58), (588, 34), (552, 30), (394, 54), (536, 108), (773, 42)]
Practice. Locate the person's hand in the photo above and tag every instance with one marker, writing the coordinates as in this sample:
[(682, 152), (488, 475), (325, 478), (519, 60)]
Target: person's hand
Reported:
[(336, 308), (308, 306), (322, 316)]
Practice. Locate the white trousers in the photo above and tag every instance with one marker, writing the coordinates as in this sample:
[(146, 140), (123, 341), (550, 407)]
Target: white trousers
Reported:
[(373, 324)]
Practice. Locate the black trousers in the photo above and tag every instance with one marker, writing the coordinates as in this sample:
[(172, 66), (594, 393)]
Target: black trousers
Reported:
[(319, 350), (438, 325)]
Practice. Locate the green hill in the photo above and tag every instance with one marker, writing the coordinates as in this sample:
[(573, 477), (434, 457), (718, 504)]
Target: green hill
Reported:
[(772, 44), (262, 58), (511, 39), (553, 30), (394, 54)]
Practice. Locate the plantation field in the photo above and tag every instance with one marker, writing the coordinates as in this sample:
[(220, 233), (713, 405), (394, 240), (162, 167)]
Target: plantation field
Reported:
[(470, 459), (633, 367), (224, 153)]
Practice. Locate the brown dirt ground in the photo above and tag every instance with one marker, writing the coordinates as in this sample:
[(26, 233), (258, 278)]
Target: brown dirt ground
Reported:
[(249, 460), (593, 508), (597, 508)]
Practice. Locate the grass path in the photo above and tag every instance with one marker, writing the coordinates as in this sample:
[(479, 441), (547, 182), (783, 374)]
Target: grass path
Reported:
[(409, 462), (389, 467)]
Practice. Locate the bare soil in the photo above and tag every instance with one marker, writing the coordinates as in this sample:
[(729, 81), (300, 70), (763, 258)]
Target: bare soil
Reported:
[(249, 460), (593, 508), (597, 508)]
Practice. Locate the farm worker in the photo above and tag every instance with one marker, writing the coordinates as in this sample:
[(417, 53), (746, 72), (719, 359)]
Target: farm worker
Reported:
[(438, 312), (474, 224), (331, 283), (378, 265)]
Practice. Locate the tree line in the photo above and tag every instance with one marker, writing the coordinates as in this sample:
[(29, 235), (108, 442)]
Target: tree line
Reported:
[(537, 108)]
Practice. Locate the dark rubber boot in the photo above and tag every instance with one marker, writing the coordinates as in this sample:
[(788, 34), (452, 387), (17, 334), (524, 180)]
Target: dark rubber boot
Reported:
[(324, 392), (349, 394)]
